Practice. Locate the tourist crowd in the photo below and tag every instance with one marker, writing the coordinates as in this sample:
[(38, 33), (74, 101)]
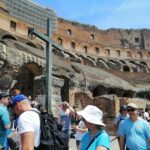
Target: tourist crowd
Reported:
[(132, 131)]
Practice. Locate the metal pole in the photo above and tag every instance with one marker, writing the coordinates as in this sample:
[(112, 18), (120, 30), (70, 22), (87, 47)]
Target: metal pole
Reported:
[(48, 67)]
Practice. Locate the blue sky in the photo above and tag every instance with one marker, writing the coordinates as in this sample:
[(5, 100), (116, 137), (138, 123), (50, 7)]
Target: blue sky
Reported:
[(103, 13)]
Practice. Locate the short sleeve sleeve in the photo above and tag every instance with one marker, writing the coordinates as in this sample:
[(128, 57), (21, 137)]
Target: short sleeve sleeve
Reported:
[(147, 129), (104, 141), (5, 118), (117, 120), (25, 124), (121, 131)]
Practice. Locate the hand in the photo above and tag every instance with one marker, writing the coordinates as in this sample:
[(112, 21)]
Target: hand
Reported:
[(74, 127)]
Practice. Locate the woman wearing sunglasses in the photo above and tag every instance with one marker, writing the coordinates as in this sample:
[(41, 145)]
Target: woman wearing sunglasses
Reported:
[(135, 130), (96, 138)]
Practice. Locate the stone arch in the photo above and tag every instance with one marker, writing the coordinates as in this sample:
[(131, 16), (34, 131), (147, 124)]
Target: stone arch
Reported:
[(25, 77), (143, 63), (126, 68), (8, 37), (112, 61), (99, 90), (31, 44), (123, 62), (101, 63)]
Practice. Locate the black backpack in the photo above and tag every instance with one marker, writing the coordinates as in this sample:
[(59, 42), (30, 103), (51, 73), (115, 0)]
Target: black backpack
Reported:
[(52, 138)]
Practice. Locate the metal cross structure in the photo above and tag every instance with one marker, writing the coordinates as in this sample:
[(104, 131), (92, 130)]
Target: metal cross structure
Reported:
[(49, 45)]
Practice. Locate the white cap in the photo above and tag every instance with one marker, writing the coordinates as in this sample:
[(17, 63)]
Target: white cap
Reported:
[(132, 105), (92, 114)]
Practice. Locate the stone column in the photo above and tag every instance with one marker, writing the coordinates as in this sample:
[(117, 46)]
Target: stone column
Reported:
[(57, 84)]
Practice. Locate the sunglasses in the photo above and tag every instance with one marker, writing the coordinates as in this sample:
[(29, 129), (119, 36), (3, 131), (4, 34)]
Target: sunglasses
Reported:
[(131, 109)]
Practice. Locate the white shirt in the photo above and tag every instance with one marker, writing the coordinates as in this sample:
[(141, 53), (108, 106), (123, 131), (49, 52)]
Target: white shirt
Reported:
[(29, 121), (146, 115), (80, 134)]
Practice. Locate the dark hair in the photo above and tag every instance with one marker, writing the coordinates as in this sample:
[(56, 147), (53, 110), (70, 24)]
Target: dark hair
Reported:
[(100, 127)]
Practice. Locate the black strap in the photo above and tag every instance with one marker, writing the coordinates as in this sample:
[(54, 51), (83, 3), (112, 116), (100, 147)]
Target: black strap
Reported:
[(93, 140)]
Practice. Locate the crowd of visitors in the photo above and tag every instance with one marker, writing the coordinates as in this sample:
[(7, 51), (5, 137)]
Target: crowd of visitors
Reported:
[(132, 131)]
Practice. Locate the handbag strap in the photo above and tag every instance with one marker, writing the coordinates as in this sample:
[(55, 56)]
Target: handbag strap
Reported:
[(93, 140)]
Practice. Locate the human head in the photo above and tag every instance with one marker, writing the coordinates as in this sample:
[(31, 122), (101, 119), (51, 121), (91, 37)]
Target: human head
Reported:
[(20, 103), (4, 98), (16, 91), (92, 115), (132, 110), (64, 105), (123, 110)]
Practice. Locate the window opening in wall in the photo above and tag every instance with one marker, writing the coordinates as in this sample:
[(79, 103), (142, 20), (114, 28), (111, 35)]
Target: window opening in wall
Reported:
[(126, 69), (13, 25), (128, 54), (69, 32), (139, 55), (29, 33), (60, 41), (108, 52), (137, 40), (118, 53), (92, 36), (73, 45), (97, 50), (85, 49), (149, 54)]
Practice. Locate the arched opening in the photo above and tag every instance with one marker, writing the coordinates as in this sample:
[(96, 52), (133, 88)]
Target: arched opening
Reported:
[(99, 90), (25, 78), (143, 63), (123, 62), (31, 44), (126, 69), (112, 61), (8, 37)]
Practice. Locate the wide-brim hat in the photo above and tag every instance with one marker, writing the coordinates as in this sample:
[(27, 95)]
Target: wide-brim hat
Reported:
[(92, 114)]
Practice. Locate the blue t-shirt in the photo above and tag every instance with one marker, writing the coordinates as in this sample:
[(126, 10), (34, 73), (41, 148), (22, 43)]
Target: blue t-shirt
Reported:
[(4, 121), (101, 140), (137, 133), (119, 120)]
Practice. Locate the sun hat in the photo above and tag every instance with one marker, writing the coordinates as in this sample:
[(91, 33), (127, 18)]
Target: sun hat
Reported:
[(3, 95), (132, 105), (92, 114), (18, 98)]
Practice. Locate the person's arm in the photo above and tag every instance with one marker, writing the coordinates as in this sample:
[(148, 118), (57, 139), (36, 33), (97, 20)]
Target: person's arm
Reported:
[(27, 141), (80, 129), (7, 126), (59, 119), (101, 148), (122, 142)]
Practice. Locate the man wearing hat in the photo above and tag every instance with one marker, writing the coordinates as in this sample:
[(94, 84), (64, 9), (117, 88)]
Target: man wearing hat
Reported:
[(28, 122), (135, 130), (121, 117), (4, 119)]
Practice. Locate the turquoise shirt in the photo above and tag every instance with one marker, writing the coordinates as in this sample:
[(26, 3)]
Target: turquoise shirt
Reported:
[(101, 140), (4, 121), (137, 133)]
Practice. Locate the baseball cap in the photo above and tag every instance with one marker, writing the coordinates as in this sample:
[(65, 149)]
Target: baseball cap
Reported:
[(18, 98), (132, 105), (3, 95), (92, 114)]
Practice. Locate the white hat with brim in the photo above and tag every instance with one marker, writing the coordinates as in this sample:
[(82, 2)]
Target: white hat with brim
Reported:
[(92, 114)]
